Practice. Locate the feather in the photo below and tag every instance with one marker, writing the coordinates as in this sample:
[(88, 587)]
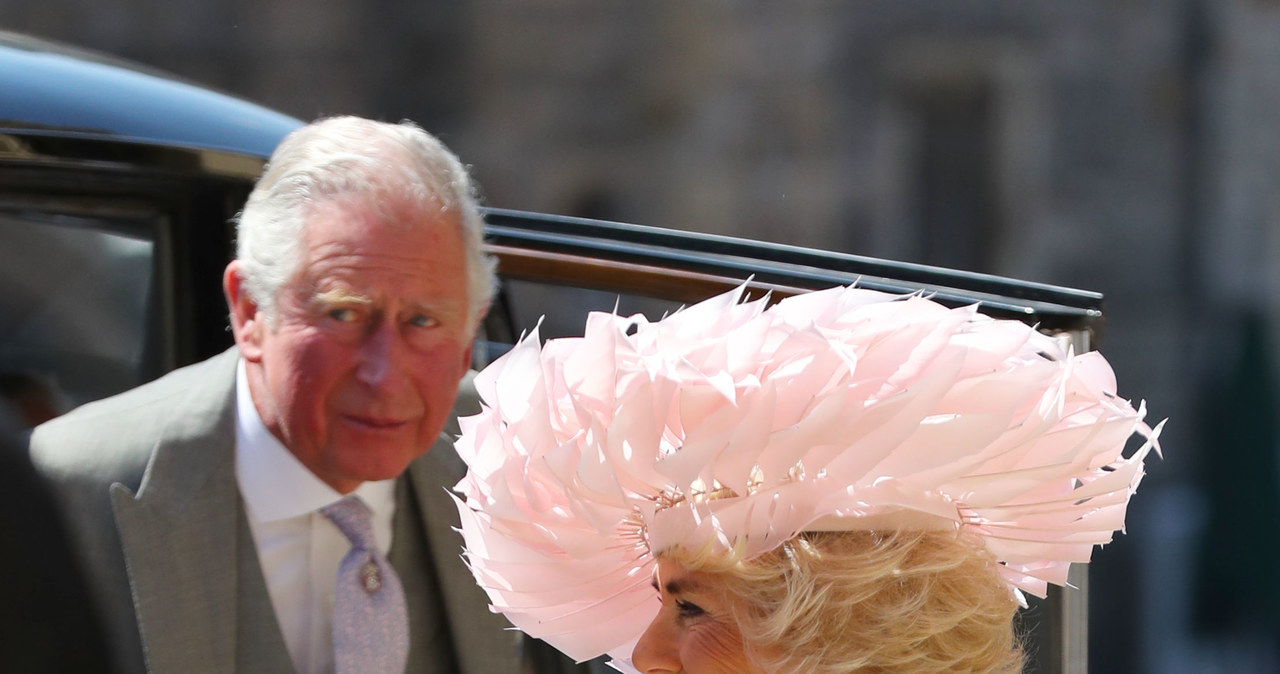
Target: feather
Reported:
[(736, 426)]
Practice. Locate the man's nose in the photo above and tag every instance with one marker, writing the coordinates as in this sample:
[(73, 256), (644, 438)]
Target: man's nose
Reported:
[(657, 652), (380, 360)]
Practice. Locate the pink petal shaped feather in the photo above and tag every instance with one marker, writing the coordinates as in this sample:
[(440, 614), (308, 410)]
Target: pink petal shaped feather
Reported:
[(735, 425)]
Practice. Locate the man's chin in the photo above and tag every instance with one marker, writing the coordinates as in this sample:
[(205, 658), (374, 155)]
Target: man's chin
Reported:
[(373, 462)]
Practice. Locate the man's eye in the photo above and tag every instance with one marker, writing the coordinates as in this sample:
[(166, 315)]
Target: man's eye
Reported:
[(422, 321), (344, 315)]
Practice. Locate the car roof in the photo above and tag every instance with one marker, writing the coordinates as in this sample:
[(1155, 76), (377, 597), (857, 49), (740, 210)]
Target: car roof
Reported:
[(58, 90)]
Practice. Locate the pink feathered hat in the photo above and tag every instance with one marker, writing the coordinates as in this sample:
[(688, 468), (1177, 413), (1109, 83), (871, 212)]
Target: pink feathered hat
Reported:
[(834, 410)]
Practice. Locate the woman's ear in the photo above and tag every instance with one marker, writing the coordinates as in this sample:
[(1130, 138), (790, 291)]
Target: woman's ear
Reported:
[(247, 322)]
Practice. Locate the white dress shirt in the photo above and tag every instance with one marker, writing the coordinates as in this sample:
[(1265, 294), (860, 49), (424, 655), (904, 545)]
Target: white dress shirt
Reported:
[(299, 548)]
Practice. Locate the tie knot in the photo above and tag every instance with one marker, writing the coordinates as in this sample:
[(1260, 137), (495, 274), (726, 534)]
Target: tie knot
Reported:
[(353, 519)]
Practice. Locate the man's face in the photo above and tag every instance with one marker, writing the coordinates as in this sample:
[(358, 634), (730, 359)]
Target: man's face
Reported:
[(359, 372)]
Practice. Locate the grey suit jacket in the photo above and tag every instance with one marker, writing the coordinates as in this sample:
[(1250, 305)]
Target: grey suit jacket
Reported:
[(146, 481)]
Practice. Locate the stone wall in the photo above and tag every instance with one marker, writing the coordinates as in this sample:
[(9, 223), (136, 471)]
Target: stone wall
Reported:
[(1113, 145)]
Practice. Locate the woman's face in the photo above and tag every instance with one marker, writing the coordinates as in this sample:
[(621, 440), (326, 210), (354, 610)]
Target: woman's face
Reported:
[(694, 632)]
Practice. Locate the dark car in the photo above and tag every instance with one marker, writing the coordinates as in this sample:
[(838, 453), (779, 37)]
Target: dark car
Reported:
[(118, 186)]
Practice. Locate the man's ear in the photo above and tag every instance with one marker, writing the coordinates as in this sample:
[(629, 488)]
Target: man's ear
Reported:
[(247, 322)]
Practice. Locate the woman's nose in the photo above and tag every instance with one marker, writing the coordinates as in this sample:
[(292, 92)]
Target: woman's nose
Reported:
[(658, 652)]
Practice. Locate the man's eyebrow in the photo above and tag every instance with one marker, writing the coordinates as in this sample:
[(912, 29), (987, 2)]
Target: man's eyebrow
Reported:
[(341, 296)]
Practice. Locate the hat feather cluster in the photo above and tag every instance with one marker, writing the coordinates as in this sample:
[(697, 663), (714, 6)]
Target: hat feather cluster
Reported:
[(738, 425)]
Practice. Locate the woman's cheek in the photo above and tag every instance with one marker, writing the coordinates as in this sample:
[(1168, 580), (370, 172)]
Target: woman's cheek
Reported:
[(713, 649)]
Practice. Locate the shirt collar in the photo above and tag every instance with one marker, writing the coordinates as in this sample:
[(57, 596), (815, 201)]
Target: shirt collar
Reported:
[(273, 483)]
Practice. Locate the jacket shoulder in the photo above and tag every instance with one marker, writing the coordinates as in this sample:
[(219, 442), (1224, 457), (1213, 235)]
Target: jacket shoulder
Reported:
[(111, 440)]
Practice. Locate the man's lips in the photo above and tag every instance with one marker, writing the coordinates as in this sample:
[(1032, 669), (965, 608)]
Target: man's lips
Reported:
[(376, 423)]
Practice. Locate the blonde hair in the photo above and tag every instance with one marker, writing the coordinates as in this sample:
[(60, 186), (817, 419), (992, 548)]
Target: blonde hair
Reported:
[(899, 602)]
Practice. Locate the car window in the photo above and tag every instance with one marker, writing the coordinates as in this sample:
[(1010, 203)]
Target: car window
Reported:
[(76, 305), (563, 309), (556, 310)]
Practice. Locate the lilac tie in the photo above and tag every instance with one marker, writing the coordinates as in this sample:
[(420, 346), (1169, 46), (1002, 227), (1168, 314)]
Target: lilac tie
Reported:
[(370, 624)]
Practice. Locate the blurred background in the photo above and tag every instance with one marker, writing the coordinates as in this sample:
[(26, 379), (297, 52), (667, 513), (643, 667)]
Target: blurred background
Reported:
[(1125, 146)]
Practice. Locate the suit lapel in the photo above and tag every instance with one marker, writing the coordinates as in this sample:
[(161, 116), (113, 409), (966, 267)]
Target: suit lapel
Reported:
[(179, 533), (430, 646), (483, 641)]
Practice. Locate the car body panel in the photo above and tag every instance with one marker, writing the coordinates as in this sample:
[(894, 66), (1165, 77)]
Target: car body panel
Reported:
[(68, 93)]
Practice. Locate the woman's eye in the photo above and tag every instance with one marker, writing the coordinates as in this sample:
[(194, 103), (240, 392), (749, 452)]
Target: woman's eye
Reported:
[(688, 609)]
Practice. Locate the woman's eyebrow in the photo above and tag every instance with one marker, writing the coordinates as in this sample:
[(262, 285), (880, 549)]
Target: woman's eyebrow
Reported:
[(677, 586)]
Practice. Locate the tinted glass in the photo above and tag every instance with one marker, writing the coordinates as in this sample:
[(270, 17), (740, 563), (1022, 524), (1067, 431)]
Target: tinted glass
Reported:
[(562, 311), (74, 313)]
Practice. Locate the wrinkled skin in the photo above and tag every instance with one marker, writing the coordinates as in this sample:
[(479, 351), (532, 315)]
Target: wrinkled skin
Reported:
[(694, 632), (358, 373)]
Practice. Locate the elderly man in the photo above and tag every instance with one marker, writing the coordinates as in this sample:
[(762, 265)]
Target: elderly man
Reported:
[(214, 508)]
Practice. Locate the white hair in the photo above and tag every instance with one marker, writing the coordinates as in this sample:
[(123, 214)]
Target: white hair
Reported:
[(350, 155)]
